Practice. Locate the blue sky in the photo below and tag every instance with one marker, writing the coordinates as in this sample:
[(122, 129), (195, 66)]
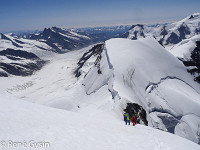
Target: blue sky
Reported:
[(37, 14)]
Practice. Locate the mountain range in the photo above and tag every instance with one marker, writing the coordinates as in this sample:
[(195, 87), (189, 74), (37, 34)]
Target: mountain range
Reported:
[(74, 84), (167, 34), (47, 43)]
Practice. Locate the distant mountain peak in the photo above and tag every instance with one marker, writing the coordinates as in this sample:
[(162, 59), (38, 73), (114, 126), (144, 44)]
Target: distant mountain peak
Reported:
[(194, 16), (167, 34)]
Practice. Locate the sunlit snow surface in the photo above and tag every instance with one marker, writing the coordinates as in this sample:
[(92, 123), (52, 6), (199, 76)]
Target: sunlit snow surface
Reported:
[(91, 117), (184, 48), (26, 122)]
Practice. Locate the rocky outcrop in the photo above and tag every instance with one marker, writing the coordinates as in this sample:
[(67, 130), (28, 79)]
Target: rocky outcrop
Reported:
[(61, 40), (96, 50), (195, 55), (14, 43), (133, 108), (19, 63)]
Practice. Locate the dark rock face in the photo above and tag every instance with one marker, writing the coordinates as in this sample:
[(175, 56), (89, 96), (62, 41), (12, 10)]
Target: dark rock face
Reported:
[(137, 25), (188, 63), (60, 39), (183, 30), (173, 39), (164, 31), (2, 74), (21, 70), (191, 17), (195, 55), (14, 43), (167, 34), (194, 62), (133, 108), (138, 33), (63, 39), (17, 53), (19, 67), (197, 30), (18, 41), (96, 50)]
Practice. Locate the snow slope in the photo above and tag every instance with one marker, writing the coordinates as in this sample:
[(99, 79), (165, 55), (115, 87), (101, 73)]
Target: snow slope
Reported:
[(139, 71), (60, 129), (144, 72), (56, 86), (184, 48), (187, 51)]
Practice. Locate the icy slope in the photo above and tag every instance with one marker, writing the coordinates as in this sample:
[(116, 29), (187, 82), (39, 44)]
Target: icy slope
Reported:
[(184, 49), (59, 129), (144, 72)]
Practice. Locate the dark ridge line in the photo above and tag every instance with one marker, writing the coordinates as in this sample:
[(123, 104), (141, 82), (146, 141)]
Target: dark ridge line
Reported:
[(165, 78)]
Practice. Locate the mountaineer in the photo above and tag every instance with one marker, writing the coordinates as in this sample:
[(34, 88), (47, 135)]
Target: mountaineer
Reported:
[(126, 118)]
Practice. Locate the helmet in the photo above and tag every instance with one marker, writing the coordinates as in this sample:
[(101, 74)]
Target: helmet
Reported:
[(127, 113)]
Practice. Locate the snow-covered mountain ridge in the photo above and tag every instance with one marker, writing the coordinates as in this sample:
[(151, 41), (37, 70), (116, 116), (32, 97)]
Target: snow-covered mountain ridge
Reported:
[(105, 85), (167, 34), (63, 39), (94, 86), (159, 87), (18, 62), (22, 57), (46, 43), (188, 51)]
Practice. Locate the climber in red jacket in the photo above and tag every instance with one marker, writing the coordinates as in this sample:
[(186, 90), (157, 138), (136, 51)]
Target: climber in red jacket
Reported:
[(133, 120)]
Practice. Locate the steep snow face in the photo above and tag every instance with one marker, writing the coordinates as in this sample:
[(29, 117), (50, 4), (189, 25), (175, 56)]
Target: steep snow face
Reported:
[(168, 34), (188, 51), (144, 72), (61, 129), (56, 86), (184, 49)]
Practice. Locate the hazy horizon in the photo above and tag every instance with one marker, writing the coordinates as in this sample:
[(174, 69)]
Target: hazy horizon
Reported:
[(31, 15)]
